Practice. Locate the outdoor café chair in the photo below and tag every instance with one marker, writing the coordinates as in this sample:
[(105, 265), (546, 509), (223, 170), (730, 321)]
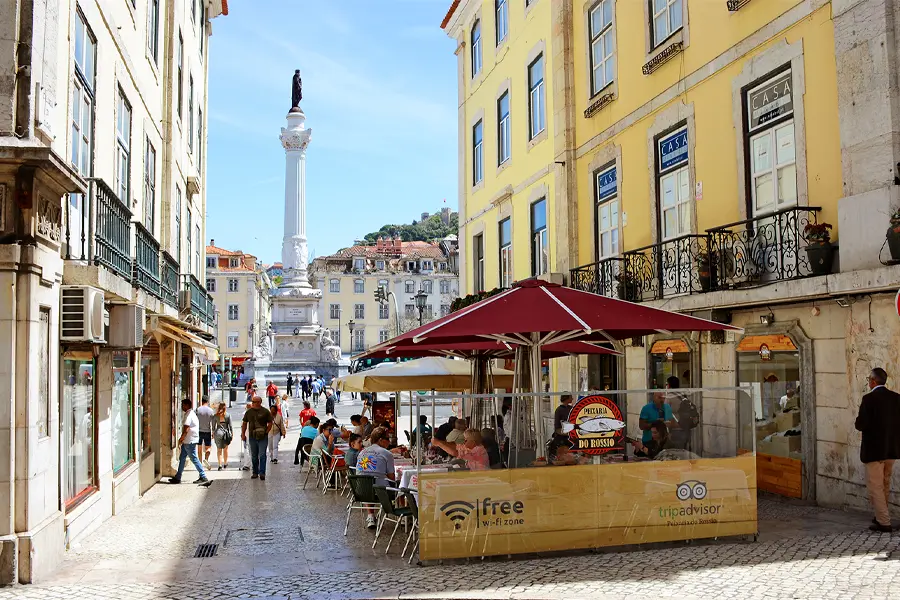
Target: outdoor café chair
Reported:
[(346, 489), (332, 472), (362, 487), (389, 512), (313, 463), (414, 529)]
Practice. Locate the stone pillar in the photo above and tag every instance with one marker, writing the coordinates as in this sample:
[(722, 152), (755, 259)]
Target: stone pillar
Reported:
[(294, 255), (168, 375)]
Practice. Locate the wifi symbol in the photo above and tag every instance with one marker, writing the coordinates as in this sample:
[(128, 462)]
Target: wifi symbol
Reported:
[(457, 511)]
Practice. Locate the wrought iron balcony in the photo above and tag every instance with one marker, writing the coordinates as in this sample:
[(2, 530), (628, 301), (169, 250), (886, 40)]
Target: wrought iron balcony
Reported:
[(198, 295), (146, 261), (762, 249), (98, 229), (745, 253), (210, 313), (169, 280)]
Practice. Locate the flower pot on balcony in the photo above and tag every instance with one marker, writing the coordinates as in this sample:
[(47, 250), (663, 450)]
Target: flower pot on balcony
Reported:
[(893, 241), (627, 290), (821, 257), (706, 272)]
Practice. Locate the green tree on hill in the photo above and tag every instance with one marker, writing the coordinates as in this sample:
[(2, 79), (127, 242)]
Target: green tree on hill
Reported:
[(418, 231)]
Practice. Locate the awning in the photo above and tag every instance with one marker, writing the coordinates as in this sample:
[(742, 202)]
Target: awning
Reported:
[(207, 352)]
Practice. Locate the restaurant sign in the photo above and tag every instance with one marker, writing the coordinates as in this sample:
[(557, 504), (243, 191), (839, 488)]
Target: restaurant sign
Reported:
[(770, 101), (595, 426)]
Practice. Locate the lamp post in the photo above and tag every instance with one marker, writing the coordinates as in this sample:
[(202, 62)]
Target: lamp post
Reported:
[(352, 327), (421, 298)]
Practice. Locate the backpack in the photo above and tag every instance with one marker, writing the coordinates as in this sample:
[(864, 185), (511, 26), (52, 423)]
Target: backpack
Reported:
[(688, 415)]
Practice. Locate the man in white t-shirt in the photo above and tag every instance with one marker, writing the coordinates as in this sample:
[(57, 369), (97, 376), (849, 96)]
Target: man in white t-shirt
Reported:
[(190, 436)]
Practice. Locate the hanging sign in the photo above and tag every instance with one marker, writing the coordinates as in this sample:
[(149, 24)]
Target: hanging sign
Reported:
[(607, 185), (669, 354), (765, 353), (673, 150), (770, 101), (595, 426)]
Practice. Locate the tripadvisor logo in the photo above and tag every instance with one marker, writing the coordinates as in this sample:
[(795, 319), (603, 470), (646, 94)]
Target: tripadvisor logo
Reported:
[(488, 512), (687, 491)]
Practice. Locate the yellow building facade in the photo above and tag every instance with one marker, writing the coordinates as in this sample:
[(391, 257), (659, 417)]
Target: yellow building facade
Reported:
[(699, 151)]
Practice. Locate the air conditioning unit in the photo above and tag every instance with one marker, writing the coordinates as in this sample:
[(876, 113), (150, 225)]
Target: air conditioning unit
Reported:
[(126, 326), (83, 314), (184, 300)]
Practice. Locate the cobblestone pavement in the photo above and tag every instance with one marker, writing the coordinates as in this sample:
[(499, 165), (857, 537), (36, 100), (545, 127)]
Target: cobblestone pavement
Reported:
[(277, 541)]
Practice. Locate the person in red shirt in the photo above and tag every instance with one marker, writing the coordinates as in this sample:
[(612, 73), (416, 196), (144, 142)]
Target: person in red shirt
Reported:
[(306, 414), (271, 393)]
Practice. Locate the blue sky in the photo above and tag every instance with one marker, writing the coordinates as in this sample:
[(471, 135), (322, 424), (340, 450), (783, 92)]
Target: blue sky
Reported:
[(379, 93)]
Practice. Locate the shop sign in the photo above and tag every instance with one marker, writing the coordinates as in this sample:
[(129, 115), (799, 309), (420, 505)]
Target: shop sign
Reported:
[(596, 426), (770, 101), (673, 150), (607, 185), (669, 354), (765, 353)]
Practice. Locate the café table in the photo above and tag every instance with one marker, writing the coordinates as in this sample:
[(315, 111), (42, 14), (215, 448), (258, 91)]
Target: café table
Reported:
[(407, 477)]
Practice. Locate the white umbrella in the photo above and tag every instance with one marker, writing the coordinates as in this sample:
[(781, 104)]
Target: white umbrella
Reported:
[(430, 373)]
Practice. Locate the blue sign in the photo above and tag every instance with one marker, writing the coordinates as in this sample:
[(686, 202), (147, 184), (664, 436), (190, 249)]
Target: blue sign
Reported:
[(673, 150), (606, 184)]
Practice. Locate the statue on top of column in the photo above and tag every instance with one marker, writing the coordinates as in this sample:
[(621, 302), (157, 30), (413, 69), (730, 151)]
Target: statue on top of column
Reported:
[(296, 90)]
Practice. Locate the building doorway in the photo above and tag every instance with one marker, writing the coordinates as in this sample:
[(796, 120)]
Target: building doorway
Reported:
[(669, 358)]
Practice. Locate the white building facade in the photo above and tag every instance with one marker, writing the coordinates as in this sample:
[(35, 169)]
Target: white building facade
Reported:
[(102, 203)]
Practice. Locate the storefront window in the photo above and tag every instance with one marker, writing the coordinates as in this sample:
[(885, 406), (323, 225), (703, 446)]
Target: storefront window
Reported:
[(122, 420), (78, 428), (144, 391), (770, 364), (669, 358)]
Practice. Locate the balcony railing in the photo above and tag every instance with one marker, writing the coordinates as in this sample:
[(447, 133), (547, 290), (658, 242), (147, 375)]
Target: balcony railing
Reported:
[(112, 230), (146, 261), (169, 280), (762, 249), (746, 253), (197, 295)]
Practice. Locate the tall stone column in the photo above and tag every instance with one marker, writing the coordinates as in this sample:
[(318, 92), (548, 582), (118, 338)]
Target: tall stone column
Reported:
[(294, 254)]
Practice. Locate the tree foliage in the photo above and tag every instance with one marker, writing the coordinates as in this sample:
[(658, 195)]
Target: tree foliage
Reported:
[(430, 229)]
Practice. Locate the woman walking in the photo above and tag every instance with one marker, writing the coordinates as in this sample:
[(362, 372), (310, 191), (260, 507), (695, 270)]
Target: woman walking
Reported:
[(223, 435), (276, 433)]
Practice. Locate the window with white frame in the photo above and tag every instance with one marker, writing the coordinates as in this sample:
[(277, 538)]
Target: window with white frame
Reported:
[(359, 286), (442, 266), (411, 266), (602, 45), (233, 314), (359, 340), (379, 265), (359, 311), (445, 310), (233, 340), (540, 239), (210, 285), (201, 34), (123, 149), (505, 228), (502, 20), (83, 97), (153, 29), (210, 262), (198, 261), (179, 59), (427, 265), (773, 168), (476, 48), (674, 202), (445, 286), (383, 336), (334, 311), (336, 336), (234, 263), (232, 285), (478, 264), (187, 238), (384, 311), (334, 286), (504, 143), (178, 223), (607, 217), (149, 185), (428, 286), (537, 112), (477, 153), (409, 286), (409, 311), (359, 264), (190, 130), (667, 19)]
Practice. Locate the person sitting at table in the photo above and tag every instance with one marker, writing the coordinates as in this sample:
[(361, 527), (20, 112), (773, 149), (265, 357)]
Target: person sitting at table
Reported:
[(365, 427), (377, 461), (471, 450), (352, 454), (659, 441), (425, 429), (655, 410), (560, 453), (459, 428), (489, 441), (324, 441), (354, 428), (308, 433)]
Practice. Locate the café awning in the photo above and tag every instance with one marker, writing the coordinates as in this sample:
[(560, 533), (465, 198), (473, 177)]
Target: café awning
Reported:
[(430, 373)]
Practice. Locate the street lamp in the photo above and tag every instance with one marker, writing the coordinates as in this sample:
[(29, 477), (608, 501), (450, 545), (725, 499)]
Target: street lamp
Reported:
[(351, 326), (421, 298)]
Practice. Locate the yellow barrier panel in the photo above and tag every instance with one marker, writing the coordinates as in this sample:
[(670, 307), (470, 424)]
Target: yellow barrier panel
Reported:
[(542, 509)]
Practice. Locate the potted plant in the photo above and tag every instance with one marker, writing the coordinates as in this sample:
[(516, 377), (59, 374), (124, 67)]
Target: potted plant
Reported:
[(626, 287), (818, 248), (706, 270), (893, 235)]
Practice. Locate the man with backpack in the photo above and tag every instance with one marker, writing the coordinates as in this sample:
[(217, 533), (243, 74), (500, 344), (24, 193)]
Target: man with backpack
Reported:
[(686, 414)]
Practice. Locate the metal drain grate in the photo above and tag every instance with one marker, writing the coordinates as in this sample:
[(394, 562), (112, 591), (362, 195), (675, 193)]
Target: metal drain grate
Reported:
[(206, 550)]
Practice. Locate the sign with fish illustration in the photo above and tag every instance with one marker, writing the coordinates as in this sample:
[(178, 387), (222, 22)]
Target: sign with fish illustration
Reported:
[(595, 426)]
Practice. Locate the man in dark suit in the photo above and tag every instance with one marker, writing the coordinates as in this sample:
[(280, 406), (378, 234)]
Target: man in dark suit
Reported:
[(879, 422)]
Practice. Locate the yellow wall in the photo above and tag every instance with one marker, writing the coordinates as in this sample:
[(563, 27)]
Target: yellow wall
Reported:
[(509, 62), (716, 46)]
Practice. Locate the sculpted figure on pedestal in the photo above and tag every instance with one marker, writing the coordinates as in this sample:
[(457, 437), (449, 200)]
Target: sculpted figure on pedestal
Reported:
[(296, 90)]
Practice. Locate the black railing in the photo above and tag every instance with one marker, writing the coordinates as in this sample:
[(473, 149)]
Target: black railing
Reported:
[(112, 230), (751, 252), (210, 313), (198, 297), (146, 261), (169, 283), (762, 249)]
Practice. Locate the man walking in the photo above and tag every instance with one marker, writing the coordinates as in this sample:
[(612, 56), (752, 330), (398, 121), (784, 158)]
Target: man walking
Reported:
[(206, 416), (879, 422), (255, 428), (190, 435), (290, 385), (304, 388), (271, 393)]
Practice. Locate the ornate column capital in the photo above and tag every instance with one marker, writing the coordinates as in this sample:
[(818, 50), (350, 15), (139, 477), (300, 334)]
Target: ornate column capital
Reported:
[(295, 139)]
